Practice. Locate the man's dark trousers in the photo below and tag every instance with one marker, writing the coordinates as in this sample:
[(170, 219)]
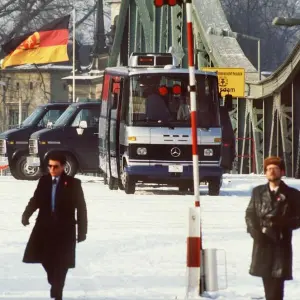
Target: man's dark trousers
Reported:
[(56, 277), (274, 288)]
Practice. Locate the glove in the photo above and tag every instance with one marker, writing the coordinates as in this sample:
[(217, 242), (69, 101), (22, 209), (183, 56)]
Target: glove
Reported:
[(81, 238), (25, 220)]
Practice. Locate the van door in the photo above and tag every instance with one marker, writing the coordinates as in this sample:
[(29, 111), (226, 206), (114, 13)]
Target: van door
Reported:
[(85, 145)]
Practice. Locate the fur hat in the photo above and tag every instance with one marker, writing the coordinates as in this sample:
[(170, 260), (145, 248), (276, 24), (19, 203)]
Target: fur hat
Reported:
[(273, 160)]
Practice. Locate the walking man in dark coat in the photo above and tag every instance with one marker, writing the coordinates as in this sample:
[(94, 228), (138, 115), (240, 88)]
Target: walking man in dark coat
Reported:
[(271, 216), (53, 239)]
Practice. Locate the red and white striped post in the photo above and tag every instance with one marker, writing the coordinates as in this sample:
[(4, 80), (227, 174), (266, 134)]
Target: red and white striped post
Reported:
[(194, 244)]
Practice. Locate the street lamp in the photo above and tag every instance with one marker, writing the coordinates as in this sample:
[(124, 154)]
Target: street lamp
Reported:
[(289, 22), (226, 32)]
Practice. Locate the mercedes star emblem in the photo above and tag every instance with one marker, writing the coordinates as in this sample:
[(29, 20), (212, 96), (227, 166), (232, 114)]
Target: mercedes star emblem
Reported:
[(175, 152)]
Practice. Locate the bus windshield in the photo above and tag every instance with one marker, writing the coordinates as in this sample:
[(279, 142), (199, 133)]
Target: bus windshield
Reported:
[(164, 99), (65, 117)]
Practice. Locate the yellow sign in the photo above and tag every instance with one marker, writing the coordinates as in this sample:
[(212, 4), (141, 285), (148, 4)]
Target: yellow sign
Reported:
[(231, 80)]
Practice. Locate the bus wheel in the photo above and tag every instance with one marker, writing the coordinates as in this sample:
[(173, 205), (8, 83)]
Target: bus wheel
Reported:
[(214, 187), (183, 189), (127, 182)]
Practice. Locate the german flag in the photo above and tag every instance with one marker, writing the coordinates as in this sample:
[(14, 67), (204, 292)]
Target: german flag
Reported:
[(47, 45)]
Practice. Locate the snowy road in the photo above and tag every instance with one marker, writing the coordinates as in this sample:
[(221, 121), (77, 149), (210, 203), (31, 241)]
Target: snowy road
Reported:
[(136, 245)]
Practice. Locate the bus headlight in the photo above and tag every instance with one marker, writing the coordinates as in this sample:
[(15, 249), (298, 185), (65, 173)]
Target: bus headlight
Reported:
[(141, 151)]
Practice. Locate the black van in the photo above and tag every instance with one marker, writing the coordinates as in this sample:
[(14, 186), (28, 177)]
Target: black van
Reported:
[(14, 142), (76, 134)]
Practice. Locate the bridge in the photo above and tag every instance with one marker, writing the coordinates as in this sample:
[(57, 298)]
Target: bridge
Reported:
[(265, 119)]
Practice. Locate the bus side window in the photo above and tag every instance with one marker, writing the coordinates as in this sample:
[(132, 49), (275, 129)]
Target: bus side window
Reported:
[(114, 93), (124, 100), (105, 92), (120, 98)]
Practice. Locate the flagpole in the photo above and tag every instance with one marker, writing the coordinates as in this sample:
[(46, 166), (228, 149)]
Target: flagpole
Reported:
[(20, 108), (74, 23)]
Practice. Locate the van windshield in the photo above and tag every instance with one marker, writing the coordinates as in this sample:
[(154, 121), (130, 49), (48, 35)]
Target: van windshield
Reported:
[(34, 118), (65, 117), (163, 99)]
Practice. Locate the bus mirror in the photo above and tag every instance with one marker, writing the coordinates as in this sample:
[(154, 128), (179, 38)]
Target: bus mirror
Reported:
[(228, 102)]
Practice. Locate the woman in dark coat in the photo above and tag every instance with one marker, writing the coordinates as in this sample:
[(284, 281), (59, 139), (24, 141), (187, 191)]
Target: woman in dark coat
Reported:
[(271, 216)]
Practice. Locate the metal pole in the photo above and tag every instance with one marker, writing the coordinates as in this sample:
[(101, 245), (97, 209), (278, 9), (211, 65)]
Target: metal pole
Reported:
[(192, 88), (154, 36), (250, 142), (277, 131), (74, 39), (281, 21), (293, 120), (237, 136), (258, 60), (264, 130), (234, 34), (99, 37)]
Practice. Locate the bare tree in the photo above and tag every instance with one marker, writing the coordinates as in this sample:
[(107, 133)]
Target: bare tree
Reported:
[(20, 16), (254, 17)]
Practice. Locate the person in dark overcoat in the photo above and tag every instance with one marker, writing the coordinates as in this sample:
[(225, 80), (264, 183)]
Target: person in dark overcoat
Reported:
[(271, 216), (52, 243)]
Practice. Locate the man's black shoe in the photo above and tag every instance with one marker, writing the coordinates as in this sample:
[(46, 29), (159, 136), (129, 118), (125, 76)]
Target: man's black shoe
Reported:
[(58, 295), (52, 293)]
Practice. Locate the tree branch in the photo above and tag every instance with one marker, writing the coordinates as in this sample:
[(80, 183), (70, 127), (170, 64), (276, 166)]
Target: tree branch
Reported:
[(85, 17), (26, 18), (43, 83)]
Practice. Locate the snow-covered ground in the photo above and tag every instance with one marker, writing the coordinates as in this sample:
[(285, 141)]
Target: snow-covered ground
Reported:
[(136, 245)]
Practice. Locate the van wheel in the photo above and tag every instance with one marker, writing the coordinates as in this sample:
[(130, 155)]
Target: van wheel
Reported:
[(26, 172), (127, 182), (187, 187), (71, 166), (13, 171), (214, 187)]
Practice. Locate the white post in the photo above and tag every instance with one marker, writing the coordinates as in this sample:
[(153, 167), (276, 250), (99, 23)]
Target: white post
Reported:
[(74, 40), (20, 109), (193, 253), (194, 245), (258, 60)]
